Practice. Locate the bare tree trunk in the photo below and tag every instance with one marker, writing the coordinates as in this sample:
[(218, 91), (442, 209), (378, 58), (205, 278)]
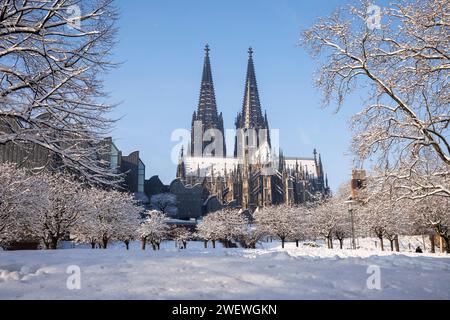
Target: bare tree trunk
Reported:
[(447, 244), (143, 243), (397, 244), (214, 244), (127, 244), (433, 243), (381, 243), (93, 245), (205, 244), (46, 244), (424, 243), (392, 245), (53, 245), (105, 243), (341, 242), (282, 242)]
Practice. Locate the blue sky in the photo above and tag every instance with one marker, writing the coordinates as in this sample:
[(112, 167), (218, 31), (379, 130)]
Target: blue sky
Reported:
[(161, 49)]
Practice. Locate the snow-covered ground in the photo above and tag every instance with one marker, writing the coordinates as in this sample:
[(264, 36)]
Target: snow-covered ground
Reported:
[(196, 273)]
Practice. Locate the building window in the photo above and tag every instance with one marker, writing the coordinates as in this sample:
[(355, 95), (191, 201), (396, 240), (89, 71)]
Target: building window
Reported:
[(141, 177), (114, 161)]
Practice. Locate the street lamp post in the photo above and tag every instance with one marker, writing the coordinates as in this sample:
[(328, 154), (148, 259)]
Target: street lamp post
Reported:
[(350, 204)]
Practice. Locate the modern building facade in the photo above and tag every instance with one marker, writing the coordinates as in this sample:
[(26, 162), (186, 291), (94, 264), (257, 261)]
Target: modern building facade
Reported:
[(25, 155), (34, 157), (256, 174), (134, 168), (131, 166)]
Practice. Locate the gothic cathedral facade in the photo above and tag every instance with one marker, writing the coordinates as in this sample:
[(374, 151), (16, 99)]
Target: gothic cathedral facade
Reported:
[(255, 174)]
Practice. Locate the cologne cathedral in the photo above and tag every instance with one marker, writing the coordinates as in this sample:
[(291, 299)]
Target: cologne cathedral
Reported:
[(256, 173)]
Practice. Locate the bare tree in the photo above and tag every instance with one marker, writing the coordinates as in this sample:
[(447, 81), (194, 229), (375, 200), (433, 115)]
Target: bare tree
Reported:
[(405, 67), (325, 217), (433, 212), (108, 215), (61, 208), (165, 203), (18, 197), (342, 229), (181, 236), (154, 229), (129, 222), (302, 224), (383, 214), (226, 225), (210, 229), (251, 236), (52, 54), (234, 225), (278, 221)]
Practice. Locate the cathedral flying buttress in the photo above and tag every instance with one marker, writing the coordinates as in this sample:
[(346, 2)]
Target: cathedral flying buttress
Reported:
[(257, 174)]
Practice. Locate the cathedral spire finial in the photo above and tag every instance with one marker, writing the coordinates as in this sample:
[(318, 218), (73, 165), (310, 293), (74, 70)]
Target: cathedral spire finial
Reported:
[(251, 115), (207, 112)]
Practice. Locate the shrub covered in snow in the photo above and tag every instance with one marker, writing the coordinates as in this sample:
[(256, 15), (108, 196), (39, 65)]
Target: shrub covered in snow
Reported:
[(18, 198), (154, 229), (108, 215), (226, 225)]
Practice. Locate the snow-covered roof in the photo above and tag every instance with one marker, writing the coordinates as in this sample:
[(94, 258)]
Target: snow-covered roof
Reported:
[(209, 164), (307, 164), (219, 165)]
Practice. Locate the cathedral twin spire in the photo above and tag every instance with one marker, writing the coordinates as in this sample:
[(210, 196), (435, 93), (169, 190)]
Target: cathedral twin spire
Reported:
[(251, 116), (207, 113), (207, 107), (247, 185)]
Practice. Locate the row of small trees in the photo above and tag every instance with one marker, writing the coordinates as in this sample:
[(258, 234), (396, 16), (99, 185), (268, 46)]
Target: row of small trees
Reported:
[(51, 207), (381, 214), (330, 220), (386, 214)]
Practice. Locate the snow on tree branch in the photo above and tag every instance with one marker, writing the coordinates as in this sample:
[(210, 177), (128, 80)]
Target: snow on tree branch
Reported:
[(404, 70), (51, 93)]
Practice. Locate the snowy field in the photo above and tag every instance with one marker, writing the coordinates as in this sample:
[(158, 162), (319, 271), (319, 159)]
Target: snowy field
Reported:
[(196, 273)]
